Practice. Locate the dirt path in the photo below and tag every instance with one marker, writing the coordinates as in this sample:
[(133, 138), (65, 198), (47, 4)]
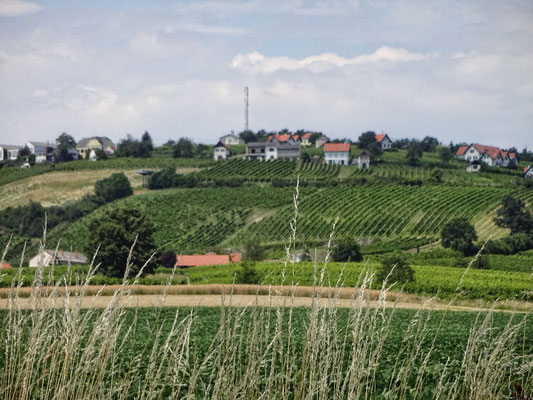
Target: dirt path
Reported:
[(236, 300)]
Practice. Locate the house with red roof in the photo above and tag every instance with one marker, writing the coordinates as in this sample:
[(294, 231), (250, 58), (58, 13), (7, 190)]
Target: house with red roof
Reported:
[(489, 155), (201, 260), (337, 153), (528, 172), (305, 139), (4, 265), (284, 138), (384, 140), (221, 151)]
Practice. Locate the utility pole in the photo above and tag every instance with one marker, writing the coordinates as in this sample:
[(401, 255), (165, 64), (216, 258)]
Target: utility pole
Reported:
[(246, 108)]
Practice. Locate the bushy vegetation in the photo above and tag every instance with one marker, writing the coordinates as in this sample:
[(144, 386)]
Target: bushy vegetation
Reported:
[(115, 187), (395, 268), (347, 249), (458, 234)]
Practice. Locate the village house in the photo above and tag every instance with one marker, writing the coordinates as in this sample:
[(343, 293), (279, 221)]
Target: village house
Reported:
[(363, 160), (284, 138), (94, 143), (384, 140), (323, 139), (231, 139), (528, 172), (337, 153), (273, 150), (221, 151), (9, 152), (305, 139), (4, 265), (42, 151), (47, 257), (186, 261), (473, 166), (489, 155)]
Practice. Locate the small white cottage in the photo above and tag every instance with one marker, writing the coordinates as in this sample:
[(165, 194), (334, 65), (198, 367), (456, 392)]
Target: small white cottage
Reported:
[(363, 161), (221, 151)]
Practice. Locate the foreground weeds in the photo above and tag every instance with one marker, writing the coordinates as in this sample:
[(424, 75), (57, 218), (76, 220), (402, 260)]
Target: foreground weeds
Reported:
[(64, 352)]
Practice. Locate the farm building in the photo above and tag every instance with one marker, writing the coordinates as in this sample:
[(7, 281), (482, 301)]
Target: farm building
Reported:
[(103, 143), (473, 166), (186, 261), (337, 153), (9, 152), (231, 139), (221, 151), (47, 257), (490, 155), (42, 151), (363, 161), (528, 171), (384, 140), (273, 150), (323, 139)]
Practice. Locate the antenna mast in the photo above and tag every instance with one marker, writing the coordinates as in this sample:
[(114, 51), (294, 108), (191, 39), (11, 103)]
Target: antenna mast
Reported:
[(246, 108)]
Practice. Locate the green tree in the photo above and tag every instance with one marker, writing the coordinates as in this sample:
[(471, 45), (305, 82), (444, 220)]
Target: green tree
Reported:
[(514, 215), (414, 153), (112, 188), (366, 139), (437, 175), (147, 145), (375, 151), (248, 136), (445, 154), (253, 251), (113, 235), (459, 234), (429, 144), (168, 259), (65, 142), (183, 148), (347, 249), (397, 266)]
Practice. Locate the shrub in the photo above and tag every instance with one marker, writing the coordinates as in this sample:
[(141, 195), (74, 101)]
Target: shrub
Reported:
[(347, 249), (253, 251), (168, 259), (401, 271), (481, 262), (162, 179), (247, 274), (115, 187)]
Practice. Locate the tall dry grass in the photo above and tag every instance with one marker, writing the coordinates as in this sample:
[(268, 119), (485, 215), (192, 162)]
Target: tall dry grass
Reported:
[(64, 352)]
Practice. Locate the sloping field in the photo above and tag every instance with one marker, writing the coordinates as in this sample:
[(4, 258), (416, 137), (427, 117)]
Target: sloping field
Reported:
[(201, 219)]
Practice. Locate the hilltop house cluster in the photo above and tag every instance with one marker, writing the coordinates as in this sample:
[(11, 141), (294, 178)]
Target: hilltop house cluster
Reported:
[(288, 146), (86, 148), (475, 154)]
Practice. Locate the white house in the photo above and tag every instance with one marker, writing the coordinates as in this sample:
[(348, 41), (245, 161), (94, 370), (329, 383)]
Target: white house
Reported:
[(363, 161), (47, 257), (528, 172), (473, 166), (221, 151), (337, 153), (42, 151), (86, 146), (274, 150), (231, 139), (384, 140), (11, 152)]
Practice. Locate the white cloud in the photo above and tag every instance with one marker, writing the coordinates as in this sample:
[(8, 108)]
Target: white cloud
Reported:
[(209, 29), (258, 63), (13, 8)]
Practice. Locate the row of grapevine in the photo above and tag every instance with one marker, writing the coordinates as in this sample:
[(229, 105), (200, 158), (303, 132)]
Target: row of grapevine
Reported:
[(377, 211)]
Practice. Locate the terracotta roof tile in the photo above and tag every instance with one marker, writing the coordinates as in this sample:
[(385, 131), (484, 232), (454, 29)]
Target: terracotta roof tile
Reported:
[(380, 137), (336, 147), (461, 150), (202, 260)]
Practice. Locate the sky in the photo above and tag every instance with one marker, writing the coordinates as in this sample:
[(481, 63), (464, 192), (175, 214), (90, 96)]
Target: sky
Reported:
[(457, 70)]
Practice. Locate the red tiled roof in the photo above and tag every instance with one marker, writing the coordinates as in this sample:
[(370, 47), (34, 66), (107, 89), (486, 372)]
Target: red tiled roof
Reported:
[(280, 138), (481, 148), (336, 147), (512, 155), (201, 260), (527, 168), (5, 265), (461, 150), (306, 135), (235, 257), (493, 153), (380, 137)]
